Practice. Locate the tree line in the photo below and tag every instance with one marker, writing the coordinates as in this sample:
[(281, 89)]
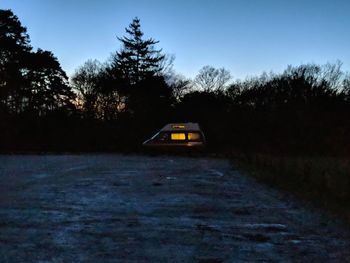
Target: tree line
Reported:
[(117, 104)]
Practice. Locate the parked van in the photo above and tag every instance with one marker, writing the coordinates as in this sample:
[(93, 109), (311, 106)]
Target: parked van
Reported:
[(178, 135)]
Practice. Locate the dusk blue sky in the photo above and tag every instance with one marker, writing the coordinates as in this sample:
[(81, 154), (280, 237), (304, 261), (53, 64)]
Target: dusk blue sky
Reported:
[(246, 37)]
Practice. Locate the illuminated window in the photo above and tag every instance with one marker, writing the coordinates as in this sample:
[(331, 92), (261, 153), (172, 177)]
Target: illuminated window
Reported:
[(178, 136), (193, 136), (179, 126)]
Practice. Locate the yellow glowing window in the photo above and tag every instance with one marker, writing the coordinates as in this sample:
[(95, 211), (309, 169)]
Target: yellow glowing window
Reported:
[(193, 136), (178, 136)]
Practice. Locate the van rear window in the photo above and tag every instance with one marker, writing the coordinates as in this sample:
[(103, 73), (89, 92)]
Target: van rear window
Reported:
[(193, 136), (178, 136)]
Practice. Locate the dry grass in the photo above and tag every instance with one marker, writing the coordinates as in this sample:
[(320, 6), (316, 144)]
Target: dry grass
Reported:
[(324, 180)]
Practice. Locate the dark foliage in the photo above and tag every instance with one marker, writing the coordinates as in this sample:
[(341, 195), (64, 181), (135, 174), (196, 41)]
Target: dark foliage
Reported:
[(116, 105), (31, 82), (138, 59)]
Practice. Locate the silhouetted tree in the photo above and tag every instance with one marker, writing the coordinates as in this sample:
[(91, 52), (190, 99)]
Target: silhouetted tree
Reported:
[(151, 99), (346, 84), (29, 80), (134, 67), (35, 98), (302, 110), (14, 48), (111, 102), (332, 75), (179, 85), (48, 83), (138, 59), (166, 66), (212, 79), (86, 80)]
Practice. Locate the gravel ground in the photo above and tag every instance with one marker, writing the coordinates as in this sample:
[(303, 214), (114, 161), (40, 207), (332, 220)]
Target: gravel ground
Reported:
[(115, 208)]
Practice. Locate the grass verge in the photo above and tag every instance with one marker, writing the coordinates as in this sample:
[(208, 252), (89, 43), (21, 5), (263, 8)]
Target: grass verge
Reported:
[(323, 180)]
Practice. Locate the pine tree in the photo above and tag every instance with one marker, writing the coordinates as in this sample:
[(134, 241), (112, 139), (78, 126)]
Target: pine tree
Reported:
[(14, 48), (138, 59)]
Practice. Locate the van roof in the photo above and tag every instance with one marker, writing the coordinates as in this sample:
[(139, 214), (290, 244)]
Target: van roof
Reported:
[(189, 126)]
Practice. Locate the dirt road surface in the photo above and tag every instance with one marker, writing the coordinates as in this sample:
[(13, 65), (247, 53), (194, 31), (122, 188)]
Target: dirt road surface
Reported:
[(115, 208)]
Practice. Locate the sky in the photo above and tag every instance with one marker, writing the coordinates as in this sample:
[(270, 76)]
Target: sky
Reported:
[(247, 37)]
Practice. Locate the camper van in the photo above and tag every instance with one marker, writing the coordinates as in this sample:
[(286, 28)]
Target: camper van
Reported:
[(178, 135)]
